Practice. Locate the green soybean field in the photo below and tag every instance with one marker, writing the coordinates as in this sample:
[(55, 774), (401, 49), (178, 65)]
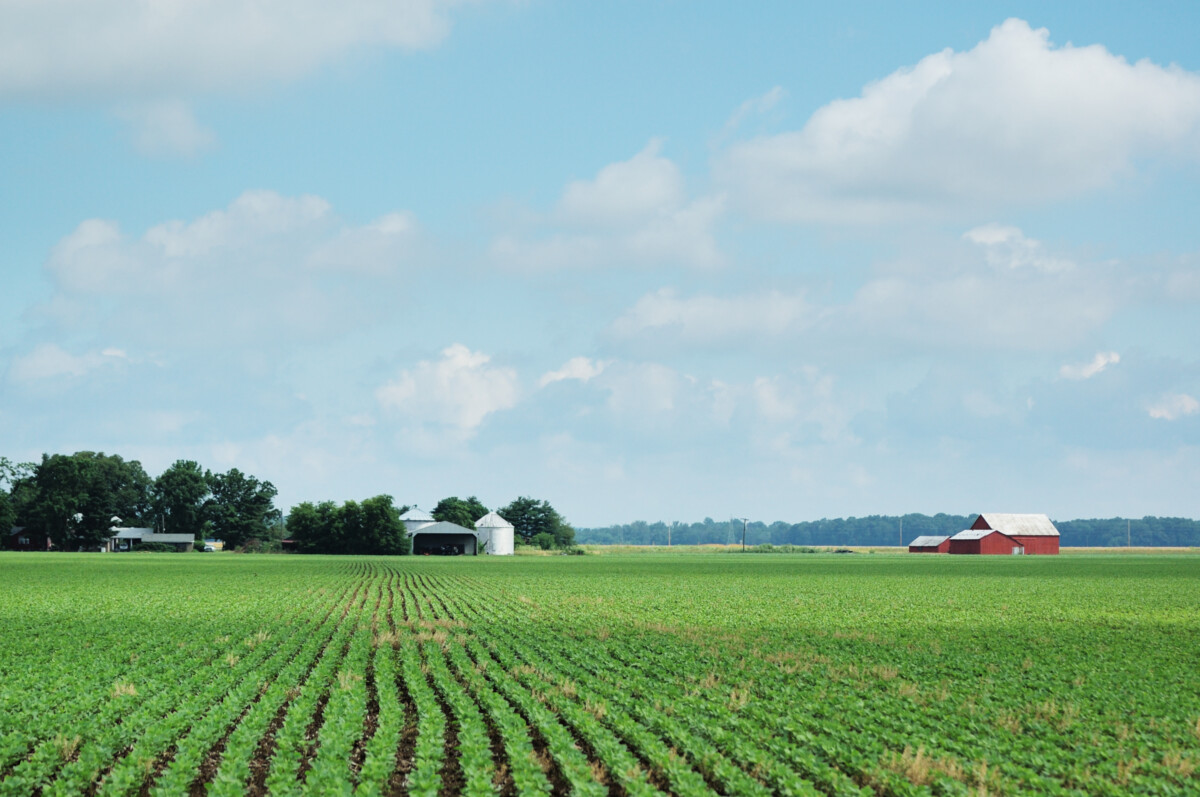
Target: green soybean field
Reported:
[(640, 674)]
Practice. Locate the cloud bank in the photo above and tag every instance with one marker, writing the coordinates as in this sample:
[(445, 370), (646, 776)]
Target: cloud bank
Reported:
[(1013, 120)]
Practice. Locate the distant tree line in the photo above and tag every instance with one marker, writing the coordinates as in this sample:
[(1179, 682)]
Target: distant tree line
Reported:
[(72, 499), (886, 530)]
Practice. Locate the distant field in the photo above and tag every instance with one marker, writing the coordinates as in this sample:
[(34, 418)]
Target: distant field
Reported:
[(616, 675)]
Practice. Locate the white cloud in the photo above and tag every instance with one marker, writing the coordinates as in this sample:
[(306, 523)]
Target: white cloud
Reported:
[(374, 248), (1007, 247), (1016, 296), (633, 212), (1087, 370), (48, 361), (639, 390), (267, 268), (131, 49), (168, 128), (580, 368), (708, 318), (457, 392), (1013, 120), (755, 106), (1173, 406), (806, 399)]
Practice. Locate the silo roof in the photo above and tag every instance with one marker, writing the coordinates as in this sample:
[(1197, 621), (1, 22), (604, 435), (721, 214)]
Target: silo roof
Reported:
[(418, 515), (492, 521)]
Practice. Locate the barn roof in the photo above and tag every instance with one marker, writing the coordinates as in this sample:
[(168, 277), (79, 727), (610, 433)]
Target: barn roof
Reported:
[(492, 521), (928, 541), (1020, 525), (417, 514), (977, 534)]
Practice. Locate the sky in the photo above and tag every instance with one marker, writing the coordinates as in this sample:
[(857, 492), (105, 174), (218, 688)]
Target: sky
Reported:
[(653, 260)]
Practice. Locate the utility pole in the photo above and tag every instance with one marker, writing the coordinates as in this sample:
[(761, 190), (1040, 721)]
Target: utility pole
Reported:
[(670, 526), (744, 522), (1128, 537), (902, 531)]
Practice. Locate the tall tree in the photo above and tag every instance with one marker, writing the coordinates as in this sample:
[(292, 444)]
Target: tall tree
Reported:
[(8, 513), (463, 512), (531, 517), (74, 498), (178, 496), (370, 527), (241, 507)]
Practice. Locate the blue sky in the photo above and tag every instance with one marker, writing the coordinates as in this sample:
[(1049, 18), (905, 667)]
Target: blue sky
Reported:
[(646, 260)]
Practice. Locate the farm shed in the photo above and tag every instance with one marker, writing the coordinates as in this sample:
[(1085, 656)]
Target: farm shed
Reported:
[(984, 541), (446, 539), (20, 538), (930, 544), (1035, 533), (495, 534), (127, 539)]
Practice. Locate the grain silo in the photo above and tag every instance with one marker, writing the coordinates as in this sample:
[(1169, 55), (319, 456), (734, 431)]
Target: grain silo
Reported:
[(415, 519), (495, 534)]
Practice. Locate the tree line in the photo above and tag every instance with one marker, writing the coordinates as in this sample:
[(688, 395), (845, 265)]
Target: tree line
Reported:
[(76, 499), (887, 530)]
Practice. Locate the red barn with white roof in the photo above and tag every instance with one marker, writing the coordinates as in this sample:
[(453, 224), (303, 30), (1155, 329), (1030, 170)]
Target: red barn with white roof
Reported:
[(984, 541), (930, 544), (1034, 532)]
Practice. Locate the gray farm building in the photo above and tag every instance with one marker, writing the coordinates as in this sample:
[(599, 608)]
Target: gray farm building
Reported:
[(128, 539), (492, 535)]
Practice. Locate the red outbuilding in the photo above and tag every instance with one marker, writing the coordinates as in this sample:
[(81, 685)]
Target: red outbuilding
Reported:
[(984, 541), (930, 544), (1035, 533), (20, 539)]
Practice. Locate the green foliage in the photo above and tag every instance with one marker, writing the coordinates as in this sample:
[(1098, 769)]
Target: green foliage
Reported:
[(74, 498), (241, 508), (372, 527), (543, 540), (156, 547), (463, 512), (179, 496), (531, 517), (8, 514), (645, 674)]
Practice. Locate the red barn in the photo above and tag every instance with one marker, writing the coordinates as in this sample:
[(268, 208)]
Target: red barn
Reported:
[(984, 541), (19, 539), (1034, 532), (929, 544)]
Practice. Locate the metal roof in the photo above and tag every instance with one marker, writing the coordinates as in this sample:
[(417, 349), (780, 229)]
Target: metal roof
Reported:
[(417, 514), (976, 534), (169, 538), (928, 541), (443, 527), (127, 533), (492, 521), (1020, 525)]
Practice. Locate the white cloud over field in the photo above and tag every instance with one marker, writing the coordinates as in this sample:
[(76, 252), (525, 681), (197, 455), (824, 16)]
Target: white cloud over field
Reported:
[(1014, 120), (632, 213), (128, 49)]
